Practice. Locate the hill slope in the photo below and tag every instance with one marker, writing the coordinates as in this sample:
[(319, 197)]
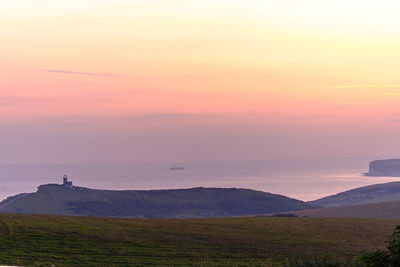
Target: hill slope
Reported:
[(43, 240), (179, 203), (390, 210), (367, 194)]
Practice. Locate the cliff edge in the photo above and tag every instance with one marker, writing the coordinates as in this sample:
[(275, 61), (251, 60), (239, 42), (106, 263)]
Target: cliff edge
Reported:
[(385, 167)]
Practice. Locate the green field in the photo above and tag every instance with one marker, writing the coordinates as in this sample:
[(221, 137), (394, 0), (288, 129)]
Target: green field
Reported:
[(251, 241)]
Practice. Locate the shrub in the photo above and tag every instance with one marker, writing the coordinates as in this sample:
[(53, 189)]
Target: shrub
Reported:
[(385, 258), (324, 262)]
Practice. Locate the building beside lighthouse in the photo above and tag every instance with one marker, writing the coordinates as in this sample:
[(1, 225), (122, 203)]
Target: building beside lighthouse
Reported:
[(66, 183)]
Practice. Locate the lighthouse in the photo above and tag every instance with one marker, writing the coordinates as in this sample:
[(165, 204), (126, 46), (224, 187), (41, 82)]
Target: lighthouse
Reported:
[(66, 183)]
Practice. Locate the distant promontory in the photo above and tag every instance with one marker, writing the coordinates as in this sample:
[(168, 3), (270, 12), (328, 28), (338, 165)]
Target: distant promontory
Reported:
[(385, 167)]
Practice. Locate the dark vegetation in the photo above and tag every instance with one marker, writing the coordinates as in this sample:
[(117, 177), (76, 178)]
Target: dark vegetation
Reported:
[(42, 240), (178, 203), (388, 257), (288, 215)]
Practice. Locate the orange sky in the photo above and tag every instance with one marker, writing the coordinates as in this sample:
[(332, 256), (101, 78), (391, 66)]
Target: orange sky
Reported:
[(156, 67)]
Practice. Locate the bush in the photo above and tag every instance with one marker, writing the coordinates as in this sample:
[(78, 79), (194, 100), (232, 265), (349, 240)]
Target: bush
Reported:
[(385, 258), (324, 262)]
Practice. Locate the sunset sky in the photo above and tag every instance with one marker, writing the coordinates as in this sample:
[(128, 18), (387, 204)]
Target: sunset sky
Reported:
[(185, 80)]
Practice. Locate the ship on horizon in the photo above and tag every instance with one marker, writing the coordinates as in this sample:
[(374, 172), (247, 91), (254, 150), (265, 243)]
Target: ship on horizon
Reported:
[(176, 168)]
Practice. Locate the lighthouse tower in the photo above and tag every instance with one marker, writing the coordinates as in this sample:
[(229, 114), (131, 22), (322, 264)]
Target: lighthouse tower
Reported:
[(66, 183)]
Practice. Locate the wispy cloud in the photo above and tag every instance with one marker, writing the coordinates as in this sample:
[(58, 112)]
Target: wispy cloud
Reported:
[(81, 73), (355, 103), (172, 115), (162, 116), (369, 86), (6, 101)]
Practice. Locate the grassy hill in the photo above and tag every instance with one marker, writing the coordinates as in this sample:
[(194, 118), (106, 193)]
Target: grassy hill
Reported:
[(389, 209), (179, 203), (42, 240), (367, 194)]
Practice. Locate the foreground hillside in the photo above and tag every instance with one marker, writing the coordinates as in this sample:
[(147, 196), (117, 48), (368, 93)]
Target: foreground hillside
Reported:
[(389, 210), (362, 195), (252, 241), (179, 203)]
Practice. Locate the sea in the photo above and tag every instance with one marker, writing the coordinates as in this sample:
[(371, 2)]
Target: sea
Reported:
[(304, 179)]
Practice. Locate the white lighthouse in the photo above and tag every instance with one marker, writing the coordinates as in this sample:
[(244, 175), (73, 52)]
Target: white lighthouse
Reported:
[(66, 183)]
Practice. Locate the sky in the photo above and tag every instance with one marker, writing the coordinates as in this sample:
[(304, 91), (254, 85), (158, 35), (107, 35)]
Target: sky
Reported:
[(184, 80)]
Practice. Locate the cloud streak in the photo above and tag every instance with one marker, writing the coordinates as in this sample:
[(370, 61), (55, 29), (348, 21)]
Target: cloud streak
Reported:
[(80, 73), (172, 115), (163, 116), (26, 101), (369, 86)]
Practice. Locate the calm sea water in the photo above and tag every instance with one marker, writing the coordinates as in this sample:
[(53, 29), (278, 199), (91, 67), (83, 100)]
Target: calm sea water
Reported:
[(301, 179)]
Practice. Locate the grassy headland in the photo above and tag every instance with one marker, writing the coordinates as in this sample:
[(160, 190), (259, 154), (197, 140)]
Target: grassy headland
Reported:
[(173, 203), (247, 241)]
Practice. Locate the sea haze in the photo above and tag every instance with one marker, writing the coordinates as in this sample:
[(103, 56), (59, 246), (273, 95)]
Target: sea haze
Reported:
[(301, 179)]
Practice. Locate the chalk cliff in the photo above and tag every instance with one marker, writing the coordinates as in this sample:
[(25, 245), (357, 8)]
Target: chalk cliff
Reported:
[(386, 167)]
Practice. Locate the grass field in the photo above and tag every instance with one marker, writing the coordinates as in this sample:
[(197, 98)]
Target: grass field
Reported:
[(42, 240)]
